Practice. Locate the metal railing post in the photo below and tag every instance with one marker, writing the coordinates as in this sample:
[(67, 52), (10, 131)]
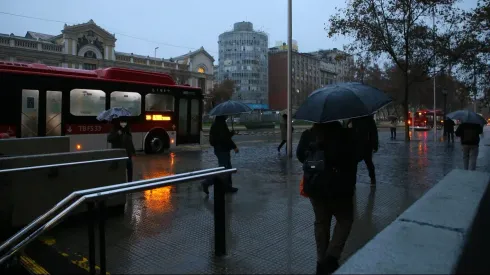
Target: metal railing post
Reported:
[(91, 236), (102, 254), (219, 216)]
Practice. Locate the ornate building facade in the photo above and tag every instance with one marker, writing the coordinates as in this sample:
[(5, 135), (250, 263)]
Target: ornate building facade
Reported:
[(88, 46)]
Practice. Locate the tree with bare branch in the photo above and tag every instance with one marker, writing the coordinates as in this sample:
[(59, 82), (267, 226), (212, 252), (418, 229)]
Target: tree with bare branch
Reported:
[(398, 30)]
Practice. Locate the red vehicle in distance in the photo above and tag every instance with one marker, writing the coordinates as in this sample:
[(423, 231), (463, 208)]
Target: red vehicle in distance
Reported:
[(424, 119)]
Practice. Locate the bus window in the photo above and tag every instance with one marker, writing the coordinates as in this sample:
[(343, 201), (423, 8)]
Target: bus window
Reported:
[(84, 102), (159, 103), (53, 113), (129, 100)]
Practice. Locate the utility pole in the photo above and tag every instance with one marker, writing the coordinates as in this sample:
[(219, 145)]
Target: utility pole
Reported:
[(289, 143), (155, 68)]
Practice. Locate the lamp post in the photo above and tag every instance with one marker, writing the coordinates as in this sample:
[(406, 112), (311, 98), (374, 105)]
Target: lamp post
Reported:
[(444, 93), (289, 83), (156, 48)]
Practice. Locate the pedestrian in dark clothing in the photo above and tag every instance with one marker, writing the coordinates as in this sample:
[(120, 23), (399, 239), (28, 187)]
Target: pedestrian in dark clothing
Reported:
[(120, 137), (449, 129), (393, 124), (220, 138), (367, 136), (470, 140), (336, 200), (284, 131)]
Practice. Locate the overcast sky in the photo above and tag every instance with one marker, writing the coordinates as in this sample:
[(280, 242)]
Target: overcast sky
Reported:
[(177, 26)]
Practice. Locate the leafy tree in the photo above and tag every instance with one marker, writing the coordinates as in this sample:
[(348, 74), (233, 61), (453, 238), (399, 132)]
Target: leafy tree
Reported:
[(222, 92), (398, 30)]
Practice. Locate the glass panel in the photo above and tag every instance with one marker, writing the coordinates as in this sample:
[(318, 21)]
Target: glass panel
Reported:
[(53, 113), (159, 103), (194, 117), (84, 102), (129, 100), (182, 116), (30, 113)]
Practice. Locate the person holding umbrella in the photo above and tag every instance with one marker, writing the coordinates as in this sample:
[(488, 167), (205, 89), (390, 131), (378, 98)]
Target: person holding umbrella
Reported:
[(368, 143), (220, 137), (330, 157), (469, 132), (120, 135)]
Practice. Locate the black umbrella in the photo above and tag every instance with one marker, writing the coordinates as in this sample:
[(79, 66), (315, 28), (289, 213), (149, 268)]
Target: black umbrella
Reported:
[(342, 101), (229, 108), (467, 116)]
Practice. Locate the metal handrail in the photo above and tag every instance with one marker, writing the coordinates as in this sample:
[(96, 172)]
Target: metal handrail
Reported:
[(81, 193), (60, 165), (101, 195)]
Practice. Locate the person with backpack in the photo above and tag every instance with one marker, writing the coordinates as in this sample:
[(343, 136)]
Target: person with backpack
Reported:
[(330, 168), (470, 140), (220, 138), (367, 142)]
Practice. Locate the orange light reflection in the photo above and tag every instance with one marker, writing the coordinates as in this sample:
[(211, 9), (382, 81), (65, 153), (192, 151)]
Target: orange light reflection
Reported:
[(159, 200)]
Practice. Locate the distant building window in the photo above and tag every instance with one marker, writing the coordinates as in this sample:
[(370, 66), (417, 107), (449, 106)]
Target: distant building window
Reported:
[(88, 66), (200, 70), (90, 54)]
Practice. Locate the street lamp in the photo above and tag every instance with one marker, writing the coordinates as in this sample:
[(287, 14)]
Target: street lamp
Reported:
[(444, 93), (156, 48)]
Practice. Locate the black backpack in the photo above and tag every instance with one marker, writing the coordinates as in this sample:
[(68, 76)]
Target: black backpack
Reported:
[(320, 178)]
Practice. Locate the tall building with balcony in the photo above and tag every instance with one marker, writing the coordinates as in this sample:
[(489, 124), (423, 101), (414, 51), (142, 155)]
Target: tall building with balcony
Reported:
[(243, 58), (340, 61)]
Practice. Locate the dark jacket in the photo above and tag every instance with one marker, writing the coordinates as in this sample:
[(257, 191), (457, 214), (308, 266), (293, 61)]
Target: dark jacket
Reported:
[(366, 133), (449, 126), (339, 152), (220, 135), (123, 141), (469, 133)]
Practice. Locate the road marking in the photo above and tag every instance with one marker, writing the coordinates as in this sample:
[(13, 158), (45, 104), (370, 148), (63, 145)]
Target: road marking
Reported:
[(76, 258), (31, 266)]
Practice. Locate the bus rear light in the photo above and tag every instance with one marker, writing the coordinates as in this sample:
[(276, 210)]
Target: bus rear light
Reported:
[(79, 147), (409, 122), (158, 118)]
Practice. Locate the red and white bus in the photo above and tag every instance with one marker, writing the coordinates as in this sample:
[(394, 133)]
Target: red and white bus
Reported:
[(38, 100), (424, 119)]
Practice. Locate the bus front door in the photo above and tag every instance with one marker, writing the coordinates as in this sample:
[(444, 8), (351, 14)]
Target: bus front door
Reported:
[(189, 121)]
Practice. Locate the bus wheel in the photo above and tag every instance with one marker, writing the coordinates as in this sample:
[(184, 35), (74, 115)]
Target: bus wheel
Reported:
[(156, 143)]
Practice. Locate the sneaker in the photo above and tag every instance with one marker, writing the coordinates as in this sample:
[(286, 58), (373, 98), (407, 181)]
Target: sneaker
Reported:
[(205, 188), (231, 190)]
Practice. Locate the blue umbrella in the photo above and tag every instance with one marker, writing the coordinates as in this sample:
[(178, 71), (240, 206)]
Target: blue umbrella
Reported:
[(342, 101), (229, 108), (467, 116), (112, 113)]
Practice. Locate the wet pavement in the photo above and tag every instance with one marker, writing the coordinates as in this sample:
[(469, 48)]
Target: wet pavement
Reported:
[(269, 225)]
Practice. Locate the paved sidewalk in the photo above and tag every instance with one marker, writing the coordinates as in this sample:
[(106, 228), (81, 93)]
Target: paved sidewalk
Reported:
[(269, 226)]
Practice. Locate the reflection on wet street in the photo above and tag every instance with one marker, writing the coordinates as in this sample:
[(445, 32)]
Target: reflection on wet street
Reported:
[(270, 227)]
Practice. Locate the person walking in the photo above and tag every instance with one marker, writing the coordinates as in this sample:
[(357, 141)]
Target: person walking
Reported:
[(367, 142), (470, 140), (120, 137), (330, 188), (393, 124), (220, 137), (284, 131), (449, 129)]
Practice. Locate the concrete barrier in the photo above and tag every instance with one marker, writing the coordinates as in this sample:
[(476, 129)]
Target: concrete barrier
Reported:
[(24, 195), (428, 238), (34, 146)]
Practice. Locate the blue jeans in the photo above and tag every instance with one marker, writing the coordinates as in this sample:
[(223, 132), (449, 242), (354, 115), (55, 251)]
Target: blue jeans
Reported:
[(224, 160)]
